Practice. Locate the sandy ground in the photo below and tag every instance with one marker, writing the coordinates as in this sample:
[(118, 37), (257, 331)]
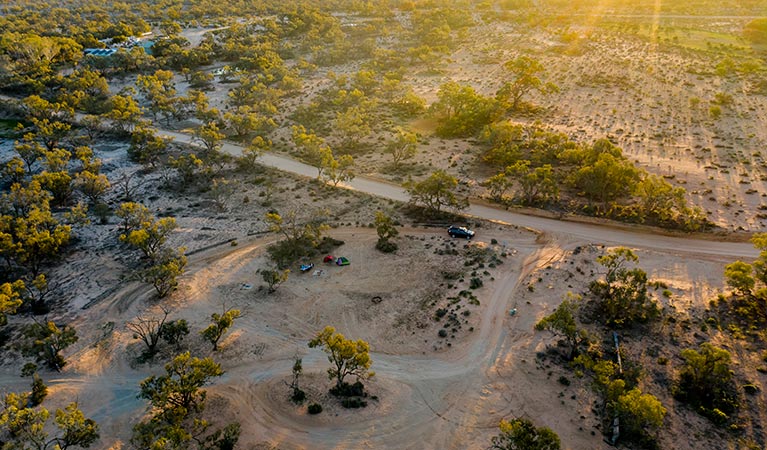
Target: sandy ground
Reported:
[(430, 395)]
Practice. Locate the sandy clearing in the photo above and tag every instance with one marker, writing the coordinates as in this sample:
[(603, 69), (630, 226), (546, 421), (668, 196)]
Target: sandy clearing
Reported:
[(452, 398)]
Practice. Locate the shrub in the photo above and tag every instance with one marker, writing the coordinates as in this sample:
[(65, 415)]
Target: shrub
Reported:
[(386, 246), (716, 415), (314, 408), (353, 403), (102, 212), (349, 390), (442, 333), (475, 283), (298, 396), (523, 434), (39, 391), (29, 369), (706, 382), (286, 252)]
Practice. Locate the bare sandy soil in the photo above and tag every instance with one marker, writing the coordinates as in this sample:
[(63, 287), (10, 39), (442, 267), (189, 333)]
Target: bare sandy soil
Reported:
[(430, 395), (432, 392)]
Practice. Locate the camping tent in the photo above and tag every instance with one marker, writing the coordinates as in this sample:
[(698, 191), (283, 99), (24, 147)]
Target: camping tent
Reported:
[(328, 258), (342, 261)]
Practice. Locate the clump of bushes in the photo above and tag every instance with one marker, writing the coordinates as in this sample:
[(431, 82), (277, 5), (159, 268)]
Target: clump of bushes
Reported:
[(298, 396), (386, 246), (353, 403), (349, 390), (353, 394)]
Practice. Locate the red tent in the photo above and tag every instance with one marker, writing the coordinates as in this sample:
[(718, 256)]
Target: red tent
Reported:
[(328, 258)]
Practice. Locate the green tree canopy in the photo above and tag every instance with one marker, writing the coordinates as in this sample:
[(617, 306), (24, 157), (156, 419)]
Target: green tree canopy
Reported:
[(313, 149), (403, 147), (47, 341), (623, 295), (10, 299), (178, 391), (526, 75), (178, 401), (641, 414), (522, 434), (436, 191), (274, 278), (462, 112), (608, 178), (25, 426), (536, 185), (562, 322), (739, 276), (706, 381), (346, 356), (220, 324)]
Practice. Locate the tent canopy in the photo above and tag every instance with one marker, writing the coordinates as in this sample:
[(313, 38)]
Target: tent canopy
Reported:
[(342, 261)]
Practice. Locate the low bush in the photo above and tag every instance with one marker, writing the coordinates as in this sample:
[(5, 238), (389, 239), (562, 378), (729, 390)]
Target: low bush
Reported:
[(298, 396), (349, 390), (353, 403), (386, 246), (286, 252)]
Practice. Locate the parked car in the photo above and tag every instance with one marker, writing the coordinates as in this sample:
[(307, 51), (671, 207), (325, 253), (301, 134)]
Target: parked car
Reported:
[(460, 232)]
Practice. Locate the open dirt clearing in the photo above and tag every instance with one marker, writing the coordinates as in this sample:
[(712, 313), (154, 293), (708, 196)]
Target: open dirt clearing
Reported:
[(430, 395)]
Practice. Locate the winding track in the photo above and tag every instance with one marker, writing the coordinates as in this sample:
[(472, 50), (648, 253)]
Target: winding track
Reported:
[(450, 404), (448, 397), (585, 232), (581, 231)]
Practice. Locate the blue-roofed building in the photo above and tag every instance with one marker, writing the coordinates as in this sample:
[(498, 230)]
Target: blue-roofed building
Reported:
[(100, 51)]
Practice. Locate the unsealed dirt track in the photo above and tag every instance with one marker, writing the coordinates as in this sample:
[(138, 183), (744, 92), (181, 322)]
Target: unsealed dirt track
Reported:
[(452, 399)]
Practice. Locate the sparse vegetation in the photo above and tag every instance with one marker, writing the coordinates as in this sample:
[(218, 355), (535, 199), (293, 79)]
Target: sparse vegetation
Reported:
[(648, 113), (562, 323), (220, 324), (623, 299), (519, 434), (706, 382), (347, 358)]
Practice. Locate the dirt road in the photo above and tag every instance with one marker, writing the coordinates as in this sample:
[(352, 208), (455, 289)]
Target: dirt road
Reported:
[(451, 400), (584, 232)]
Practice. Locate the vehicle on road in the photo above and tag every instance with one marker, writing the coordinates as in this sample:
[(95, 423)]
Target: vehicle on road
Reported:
[(460, 232)]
